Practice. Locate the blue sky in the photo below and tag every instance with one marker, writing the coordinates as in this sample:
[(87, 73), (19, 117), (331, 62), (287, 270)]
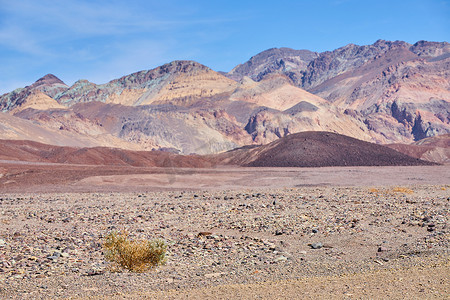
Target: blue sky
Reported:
[(102, 40)]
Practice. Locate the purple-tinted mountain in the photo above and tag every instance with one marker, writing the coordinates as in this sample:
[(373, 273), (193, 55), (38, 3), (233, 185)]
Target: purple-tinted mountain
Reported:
[(276, 60), (399, 91), (387, 92)]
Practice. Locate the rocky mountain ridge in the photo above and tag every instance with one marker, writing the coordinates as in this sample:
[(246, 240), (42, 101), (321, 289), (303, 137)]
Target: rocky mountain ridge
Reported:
[(388, 92), (400, 91)]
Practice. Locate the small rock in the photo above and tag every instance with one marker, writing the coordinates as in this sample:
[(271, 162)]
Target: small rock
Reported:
[(203, 233), (281, 258), (94, 272), (316, 245), (382, 249), (214, 275)]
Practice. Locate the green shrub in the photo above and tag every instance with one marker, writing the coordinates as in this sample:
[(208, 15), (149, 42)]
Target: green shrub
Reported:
[(135, 256)]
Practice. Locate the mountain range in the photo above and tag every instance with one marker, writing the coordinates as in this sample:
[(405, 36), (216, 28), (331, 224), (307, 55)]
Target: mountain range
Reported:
[(387, 93)]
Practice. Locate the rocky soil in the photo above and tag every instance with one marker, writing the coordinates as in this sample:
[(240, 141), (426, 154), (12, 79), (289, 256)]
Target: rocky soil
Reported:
[(51, 243)]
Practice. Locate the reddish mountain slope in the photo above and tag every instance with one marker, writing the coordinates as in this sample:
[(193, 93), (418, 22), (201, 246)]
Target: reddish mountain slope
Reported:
[(306, 149), (37, 152), (435, 149)]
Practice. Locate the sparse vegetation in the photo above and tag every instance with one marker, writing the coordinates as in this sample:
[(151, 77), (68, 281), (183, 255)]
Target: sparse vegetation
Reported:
[(402, 190), (135, 256), (391, 191)]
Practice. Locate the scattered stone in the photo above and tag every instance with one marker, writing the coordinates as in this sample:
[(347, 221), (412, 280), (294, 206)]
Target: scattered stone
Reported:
[(94, 272), (316, 245), (250, 237), (281, 259), (203, 234), (215, 275)]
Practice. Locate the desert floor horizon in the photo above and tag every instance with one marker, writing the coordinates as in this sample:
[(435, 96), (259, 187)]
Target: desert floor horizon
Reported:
[(232, 232)]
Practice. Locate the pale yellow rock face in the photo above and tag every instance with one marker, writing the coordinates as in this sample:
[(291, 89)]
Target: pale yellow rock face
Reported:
[(39, 101), (203, 84), (276, 93), (128, 97), (177, 88), (14, 128)]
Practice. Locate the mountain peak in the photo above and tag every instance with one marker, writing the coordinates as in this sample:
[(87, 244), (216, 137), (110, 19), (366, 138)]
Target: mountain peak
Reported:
[(431, 49), (183, 66), (274, 60), (48, 79), (390, 44)]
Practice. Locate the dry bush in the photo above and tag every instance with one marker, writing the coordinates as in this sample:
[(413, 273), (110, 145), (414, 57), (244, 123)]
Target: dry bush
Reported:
[(135, 256), (402, 190), (391, 191)]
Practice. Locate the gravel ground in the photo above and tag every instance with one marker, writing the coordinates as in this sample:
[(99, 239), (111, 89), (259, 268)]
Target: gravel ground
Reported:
[(51, 243)]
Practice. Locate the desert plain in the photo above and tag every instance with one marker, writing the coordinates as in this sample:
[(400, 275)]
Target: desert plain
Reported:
[(232, 232)]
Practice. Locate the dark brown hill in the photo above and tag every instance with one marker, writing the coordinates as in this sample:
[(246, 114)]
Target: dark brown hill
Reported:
[(320, 149)]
